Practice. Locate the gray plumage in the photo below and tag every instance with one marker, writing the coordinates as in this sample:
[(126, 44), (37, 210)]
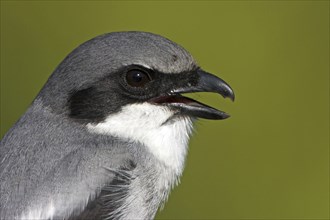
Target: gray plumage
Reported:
[(52, 166)]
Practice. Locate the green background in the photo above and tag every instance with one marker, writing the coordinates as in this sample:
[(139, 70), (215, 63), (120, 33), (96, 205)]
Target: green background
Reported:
[(270, 160)]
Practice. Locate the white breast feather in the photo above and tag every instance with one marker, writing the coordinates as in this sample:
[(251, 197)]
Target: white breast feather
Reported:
[(144, 123), (40, 213)]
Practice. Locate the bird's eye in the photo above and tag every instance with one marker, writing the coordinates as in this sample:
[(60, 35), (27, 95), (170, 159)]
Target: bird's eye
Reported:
[(137, 78)]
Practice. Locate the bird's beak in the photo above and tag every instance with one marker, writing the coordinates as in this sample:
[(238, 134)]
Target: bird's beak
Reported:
[(206, 82)]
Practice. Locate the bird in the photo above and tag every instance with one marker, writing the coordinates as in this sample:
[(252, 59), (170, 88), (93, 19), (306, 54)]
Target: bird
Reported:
[(108, 133)]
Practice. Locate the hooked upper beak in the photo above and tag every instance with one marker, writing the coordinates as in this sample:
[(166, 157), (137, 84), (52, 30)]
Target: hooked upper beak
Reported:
[(206, 82), (209, 83)]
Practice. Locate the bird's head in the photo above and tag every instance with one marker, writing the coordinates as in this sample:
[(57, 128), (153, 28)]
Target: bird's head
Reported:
[(131, 83)]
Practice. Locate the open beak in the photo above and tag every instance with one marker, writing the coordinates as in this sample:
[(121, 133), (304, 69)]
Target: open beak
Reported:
[(206, 82)]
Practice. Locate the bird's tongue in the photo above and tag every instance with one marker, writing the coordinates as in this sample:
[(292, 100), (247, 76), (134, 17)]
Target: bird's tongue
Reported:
[(172, 99), (190, 107)]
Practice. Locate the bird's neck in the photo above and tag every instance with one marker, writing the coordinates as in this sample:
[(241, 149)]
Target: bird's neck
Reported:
[(148, 125), (148, 190)]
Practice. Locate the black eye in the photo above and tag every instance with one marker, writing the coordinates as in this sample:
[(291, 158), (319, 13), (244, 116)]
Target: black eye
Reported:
[(137, 78)]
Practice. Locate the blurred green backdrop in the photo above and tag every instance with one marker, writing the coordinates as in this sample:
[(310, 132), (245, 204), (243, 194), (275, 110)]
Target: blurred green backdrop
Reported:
[(270, 160)]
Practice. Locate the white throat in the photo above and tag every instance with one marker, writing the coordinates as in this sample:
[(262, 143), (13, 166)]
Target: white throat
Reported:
[(144, 123)]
